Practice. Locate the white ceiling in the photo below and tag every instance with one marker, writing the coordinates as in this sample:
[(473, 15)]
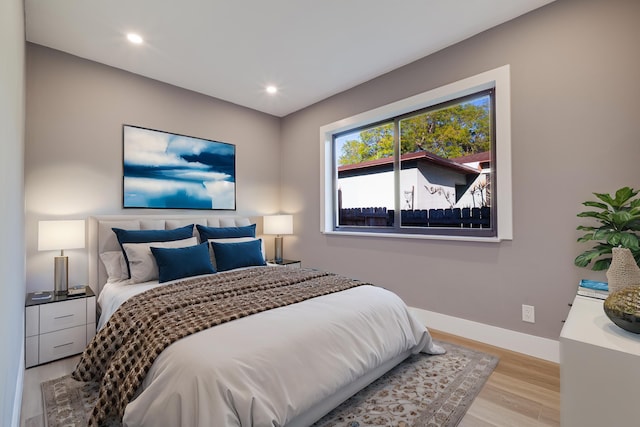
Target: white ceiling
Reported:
[(231, 49)]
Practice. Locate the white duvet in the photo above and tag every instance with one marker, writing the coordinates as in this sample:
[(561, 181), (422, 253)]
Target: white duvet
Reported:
[(271, 368)]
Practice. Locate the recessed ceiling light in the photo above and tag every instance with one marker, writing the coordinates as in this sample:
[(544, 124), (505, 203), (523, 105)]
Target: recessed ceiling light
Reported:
[(271, 89), (134, 38)]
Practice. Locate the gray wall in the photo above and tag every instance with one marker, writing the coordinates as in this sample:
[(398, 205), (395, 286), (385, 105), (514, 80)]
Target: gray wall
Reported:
[(12, 52), (73, 158), (575, 90)]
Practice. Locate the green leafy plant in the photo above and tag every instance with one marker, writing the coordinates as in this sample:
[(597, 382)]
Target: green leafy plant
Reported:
[(619, 219)]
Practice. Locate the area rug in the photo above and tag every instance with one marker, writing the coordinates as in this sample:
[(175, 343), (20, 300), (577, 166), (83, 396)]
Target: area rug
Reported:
[(423, 391)]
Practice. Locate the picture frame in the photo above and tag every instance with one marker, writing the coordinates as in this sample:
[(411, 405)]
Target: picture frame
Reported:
[(163, 170)]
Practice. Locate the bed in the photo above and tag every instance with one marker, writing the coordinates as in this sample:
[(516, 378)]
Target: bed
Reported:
[(285, 366)]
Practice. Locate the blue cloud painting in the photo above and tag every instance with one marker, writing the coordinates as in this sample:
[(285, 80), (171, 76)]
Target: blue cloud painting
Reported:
[(165, 170)]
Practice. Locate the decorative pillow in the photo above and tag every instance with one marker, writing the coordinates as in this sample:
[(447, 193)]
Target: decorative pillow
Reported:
[(115, 265), (207, 233), (145, 236), (176, 263), (234, 240), (237, 255), (142, 264)]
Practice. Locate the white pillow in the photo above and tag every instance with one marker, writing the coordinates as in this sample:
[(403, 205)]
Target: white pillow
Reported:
[(231, 240), (115, 265), (142, 264)]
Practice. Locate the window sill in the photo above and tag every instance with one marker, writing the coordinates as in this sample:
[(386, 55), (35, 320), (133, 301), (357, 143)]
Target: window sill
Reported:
[(416, 236)]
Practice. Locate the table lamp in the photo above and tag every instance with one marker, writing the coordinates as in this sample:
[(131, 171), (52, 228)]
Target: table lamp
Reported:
[(61, 235), (278, 225)]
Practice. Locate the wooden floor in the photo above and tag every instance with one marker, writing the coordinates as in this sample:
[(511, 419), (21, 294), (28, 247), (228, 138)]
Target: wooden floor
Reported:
[(522, 391), (31, 413)]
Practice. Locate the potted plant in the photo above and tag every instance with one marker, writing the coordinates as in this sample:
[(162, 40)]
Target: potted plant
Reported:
[(619, 219)]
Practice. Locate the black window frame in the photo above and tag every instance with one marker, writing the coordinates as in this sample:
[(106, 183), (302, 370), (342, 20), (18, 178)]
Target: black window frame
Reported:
[(397, 227)]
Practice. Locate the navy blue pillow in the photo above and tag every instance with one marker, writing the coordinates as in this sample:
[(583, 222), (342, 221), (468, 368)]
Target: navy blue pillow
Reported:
[(236, 255), (207, 233), (176, 263), (146, 236)]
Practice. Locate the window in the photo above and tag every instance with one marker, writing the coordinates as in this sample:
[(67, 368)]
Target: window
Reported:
[(436, 165)]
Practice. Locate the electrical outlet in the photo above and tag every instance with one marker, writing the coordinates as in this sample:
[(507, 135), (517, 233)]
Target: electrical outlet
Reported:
[(528, 313)]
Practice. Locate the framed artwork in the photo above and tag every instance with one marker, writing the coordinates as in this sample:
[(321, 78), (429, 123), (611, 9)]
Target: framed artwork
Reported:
[(165, 170)]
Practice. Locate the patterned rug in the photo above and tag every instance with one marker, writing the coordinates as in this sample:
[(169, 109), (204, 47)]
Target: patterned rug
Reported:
[(423, 391)]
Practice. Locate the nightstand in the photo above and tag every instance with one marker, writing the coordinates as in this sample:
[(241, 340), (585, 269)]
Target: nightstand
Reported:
[(58, 327), (285, 263)]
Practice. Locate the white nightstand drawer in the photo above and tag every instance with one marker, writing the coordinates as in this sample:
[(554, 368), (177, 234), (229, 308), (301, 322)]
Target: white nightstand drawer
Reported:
[(91, 311), (58, 326), (66, 342), (62, 315), (32, 321), (293, 265), (31, 351), (288, 263)]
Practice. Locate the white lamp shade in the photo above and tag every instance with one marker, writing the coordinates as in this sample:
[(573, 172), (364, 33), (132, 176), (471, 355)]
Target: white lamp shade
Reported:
[(60, 235), (278, 224)]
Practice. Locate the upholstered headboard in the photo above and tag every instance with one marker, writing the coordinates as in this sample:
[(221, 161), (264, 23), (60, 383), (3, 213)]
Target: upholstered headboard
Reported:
[(102, 239)]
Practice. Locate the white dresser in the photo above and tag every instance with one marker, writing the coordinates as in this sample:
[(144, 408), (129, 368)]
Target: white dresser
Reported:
[(59, 327), (599, 369)]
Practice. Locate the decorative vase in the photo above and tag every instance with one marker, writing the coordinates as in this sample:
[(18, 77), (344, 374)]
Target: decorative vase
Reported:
[(623, 270), (623, 308)]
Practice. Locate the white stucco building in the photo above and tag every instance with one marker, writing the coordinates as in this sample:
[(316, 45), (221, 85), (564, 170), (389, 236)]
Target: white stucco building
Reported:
[(427, 181)]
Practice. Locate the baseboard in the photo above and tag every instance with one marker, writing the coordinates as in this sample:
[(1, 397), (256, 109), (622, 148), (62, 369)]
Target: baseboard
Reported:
[(542, 348)]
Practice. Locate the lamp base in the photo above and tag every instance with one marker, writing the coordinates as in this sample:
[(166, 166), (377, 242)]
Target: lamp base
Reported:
[(278, 257), (61, 275)]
